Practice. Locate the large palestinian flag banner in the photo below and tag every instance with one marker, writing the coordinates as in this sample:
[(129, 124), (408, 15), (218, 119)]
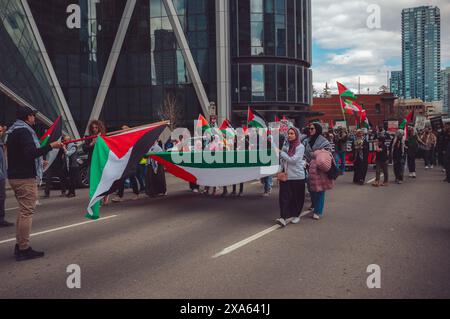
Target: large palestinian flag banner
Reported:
[(229, 168), (114, 159), (53, 134)]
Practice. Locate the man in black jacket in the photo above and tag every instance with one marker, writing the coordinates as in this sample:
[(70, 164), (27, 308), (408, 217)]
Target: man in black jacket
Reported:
[(24, 165)]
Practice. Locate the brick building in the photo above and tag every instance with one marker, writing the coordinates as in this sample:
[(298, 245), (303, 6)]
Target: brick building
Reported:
[(379, 107)]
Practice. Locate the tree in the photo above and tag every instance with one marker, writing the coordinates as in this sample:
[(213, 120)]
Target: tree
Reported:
[(171, 111), (326, 93), (383, 89)]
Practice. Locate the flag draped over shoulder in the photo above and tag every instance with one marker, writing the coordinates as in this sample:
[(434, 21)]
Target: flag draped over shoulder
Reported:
[(53, 134), (245, 166), (254, 119), (114, 159)]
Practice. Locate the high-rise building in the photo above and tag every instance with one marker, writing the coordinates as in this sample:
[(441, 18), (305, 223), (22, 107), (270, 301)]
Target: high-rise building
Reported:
[(118, 60), (421, 53), (445, 91), (396, 83)]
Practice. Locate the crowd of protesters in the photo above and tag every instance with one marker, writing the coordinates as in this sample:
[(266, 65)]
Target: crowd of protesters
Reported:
[(310, 161)]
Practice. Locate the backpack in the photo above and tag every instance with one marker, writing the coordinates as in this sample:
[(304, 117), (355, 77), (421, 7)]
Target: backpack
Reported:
[(333, 173)]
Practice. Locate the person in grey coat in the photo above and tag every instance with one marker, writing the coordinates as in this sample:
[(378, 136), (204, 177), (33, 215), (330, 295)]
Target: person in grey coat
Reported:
[(3, 222)]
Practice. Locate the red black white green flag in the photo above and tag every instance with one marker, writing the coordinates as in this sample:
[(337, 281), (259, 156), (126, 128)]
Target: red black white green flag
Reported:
[(114, 159), (254, 119), (53, 134)]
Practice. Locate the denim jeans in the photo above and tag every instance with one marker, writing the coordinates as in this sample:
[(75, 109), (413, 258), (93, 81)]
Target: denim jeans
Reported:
[(318, 199), (340, 157), (268, 183)]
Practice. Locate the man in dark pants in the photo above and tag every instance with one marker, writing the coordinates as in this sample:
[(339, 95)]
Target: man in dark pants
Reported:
[(24, 165), (3, 222)]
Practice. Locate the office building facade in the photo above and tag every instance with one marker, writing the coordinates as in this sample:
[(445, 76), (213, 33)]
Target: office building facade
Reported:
[(396, 83), (118, 60), (445, 91), (421, 53)]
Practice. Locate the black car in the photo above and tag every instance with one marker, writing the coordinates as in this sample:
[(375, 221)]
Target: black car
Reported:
[(83, 174)]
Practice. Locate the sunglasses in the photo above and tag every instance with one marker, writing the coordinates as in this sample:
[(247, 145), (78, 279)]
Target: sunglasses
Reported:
[(312, 128)]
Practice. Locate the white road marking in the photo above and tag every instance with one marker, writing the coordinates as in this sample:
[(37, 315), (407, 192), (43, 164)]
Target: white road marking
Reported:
[(10, 209), (251, 239), (374, 179), (61, 228)]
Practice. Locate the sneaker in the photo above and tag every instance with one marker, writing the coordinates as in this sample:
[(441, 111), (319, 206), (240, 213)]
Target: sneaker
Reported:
[(316, 217), (426, 167), (71, 195), (195, 190), (376, 184), (432, 166), (4, 223), (414, 175), (28, 254), (266, 194), (400, 182), (281, 222), (136, 197), (296, 220), (117, 199)]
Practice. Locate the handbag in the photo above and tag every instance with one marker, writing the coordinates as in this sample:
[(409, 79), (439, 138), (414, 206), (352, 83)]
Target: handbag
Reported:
[(283, 175)]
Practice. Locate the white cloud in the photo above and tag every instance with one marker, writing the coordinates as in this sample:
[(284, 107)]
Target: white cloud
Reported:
[(364, 52)]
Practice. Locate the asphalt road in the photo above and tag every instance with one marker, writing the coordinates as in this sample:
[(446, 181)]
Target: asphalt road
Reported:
[(178, 246)]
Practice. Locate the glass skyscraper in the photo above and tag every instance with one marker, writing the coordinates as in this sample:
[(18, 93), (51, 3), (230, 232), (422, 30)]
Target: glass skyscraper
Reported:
[(445, 91), (396, 83), (421, 53), (122, 58)]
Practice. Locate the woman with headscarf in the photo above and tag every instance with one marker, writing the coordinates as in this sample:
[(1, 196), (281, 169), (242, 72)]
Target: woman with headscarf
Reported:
[(315, 141), (155, 183), (412, 148), (292, 191), (360, 158)]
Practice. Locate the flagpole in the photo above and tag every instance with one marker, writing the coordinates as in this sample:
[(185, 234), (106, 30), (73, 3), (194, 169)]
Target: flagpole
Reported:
[(118, 132), (343, 113)]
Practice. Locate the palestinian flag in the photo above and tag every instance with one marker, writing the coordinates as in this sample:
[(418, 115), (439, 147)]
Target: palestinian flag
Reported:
[(53, 134), (114, 159), (404, 125), (233, 167), (277, 119), (350, 107), (203, 123), (254, 119), (345, 93), (227, 128)]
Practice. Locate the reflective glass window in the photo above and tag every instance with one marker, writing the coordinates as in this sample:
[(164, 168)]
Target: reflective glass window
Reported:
[(281, 82), (258, 82)]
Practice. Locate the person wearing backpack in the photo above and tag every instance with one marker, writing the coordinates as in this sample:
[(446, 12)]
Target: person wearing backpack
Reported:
[(319, 181)]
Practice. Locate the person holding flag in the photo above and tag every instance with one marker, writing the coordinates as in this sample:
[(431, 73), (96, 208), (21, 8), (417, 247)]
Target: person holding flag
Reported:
[(24, 165)]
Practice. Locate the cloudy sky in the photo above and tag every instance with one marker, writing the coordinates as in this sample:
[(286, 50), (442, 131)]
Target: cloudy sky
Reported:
[(344, 47)]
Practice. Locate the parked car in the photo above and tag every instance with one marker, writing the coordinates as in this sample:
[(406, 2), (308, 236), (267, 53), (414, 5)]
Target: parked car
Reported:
[(83, 176)]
